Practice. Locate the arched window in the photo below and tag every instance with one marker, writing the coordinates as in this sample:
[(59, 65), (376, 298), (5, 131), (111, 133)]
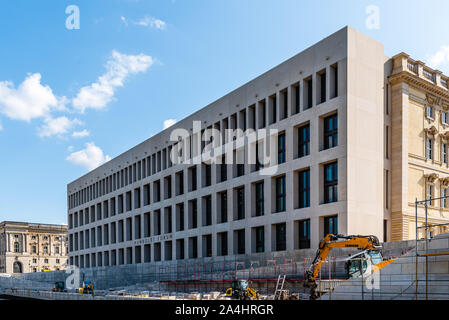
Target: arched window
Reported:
[(16, 246), (17, 267)]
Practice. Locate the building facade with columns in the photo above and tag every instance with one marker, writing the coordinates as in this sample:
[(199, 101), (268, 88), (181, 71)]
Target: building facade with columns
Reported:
[(417, 117), (323, 112), (32, 247)]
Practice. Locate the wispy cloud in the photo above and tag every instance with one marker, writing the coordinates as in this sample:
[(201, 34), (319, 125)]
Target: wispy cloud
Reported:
[(57, 126), (118, 68), (90, 157), (124, 20), (81, 134), (439, 58), (148, 21), (169, 123)]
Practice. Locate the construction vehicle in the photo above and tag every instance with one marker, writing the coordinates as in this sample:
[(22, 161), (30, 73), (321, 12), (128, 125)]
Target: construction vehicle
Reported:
[(87, 288), (362, 264), (240, 290), (59, 287)]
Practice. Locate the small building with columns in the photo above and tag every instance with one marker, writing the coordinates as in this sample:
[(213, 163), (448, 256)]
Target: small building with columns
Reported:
[(32, 247)]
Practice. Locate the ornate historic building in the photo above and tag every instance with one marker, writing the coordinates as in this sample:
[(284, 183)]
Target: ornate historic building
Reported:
[(32, 247), (417, 114)]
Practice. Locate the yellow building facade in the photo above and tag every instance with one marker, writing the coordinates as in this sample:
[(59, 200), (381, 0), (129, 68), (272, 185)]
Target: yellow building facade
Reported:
[(417, 144)]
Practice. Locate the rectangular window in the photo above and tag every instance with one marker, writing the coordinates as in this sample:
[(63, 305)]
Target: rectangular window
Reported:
[(259, 199), (304, 189), (429, 193), (330, 136), (224, 206), (322, 78), (429, 111), (223, 169), (444, 153), (284, 104), (208, 179), (387, 147), (387, 189), (444, 117), (120, 204), (297, 97), (260, 239), (137, 198), (304, 141), (241, 241), (146, 194), (281, 148), (330, 225), (208, 211), (281, 243), (330, 182), (193, 178), (273, 109), (241, 203), (429, 146), (334, 81), (309, 88), (280, 194), (304, 234)]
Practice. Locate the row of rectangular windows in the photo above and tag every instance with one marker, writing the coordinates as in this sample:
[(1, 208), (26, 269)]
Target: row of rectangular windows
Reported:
[(161, 160), (124, 201), (330, 225), (330, 192)]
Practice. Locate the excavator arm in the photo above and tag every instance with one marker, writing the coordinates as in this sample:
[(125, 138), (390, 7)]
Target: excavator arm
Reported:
[(338, 241)]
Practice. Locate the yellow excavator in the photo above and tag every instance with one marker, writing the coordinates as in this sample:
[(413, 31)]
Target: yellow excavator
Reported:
[(87, 288), (361, 264), (240, 290)]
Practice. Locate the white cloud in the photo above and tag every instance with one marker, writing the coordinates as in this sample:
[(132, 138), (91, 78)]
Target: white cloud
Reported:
[(169, 123), (57, 126), (439, 58), (70, 148), (91, 157), (81, 134), (1, 127), (30, 100), (119, 67), (151, 22), (124, 20)]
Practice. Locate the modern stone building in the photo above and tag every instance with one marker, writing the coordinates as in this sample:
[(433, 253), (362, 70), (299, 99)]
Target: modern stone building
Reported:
[(335, 151), (32, 247)]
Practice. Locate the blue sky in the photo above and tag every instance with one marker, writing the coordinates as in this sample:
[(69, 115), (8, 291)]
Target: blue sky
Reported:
[(71, 99)]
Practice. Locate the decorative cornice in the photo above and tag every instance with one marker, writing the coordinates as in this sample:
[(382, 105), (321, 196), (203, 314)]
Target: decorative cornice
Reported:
[(419, 83)]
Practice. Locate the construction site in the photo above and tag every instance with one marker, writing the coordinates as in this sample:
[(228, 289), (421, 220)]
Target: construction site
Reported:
[(340, 270)]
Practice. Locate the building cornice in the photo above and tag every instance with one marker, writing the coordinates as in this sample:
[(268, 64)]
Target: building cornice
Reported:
[(418, 75)]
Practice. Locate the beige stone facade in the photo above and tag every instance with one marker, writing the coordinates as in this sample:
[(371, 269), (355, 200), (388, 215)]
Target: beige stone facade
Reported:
[(32, 247), (418, 118)]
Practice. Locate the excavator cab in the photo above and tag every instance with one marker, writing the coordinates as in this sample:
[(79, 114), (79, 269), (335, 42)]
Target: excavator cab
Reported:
[(362, 263)]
